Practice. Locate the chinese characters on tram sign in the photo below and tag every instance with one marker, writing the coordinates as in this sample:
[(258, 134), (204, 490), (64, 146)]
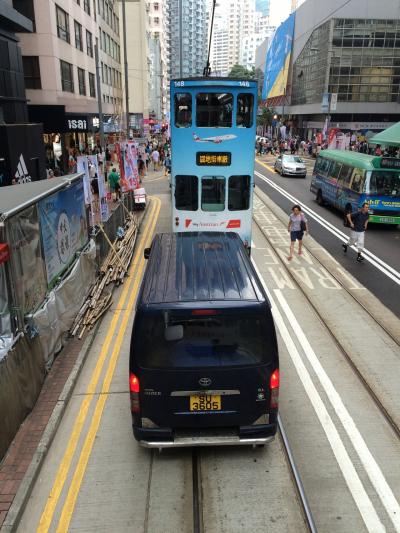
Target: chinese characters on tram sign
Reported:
[(216, 159)]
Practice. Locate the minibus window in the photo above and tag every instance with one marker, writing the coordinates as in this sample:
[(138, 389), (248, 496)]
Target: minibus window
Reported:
[(183, 110), (358, 181), (186, 193), (335, 170), (214, 110), (244, 117), (220, 340), (238, 193), (213, 194), (385, 183), (345, 175)]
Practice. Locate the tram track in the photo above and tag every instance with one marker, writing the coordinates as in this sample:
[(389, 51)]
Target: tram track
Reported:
[(363, 379)]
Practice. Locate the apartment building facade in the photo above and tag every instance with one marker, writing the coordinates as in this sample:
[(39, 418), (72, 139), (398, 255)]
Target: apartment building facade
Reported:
[(60, 72)]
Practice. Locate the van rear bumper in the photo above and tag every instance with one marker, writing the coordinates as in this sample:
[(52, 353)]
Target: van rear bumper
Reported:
[(244, 436)]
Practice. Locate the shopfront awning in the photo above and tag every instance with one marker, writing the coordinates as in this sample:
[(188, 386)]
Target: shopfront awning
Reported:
[(389, 137)]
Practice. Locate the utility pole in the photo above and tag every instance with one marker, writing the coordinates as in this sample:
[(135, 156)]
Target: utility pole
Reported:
[(99, 95), (125, 68)]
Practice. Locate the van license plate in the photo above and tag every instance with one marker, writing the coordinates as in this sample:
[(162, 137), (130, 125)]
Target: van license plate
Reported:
[(205, 403)]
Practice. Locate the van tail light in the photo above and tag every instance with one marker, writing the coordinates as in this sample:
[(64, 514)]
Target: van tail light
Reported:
[(134, 387), (274, 389)]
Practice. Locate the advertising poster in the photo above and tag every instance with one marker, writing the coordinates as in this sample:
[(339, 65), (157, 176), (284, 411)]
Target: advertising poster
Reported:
[(63, 228), (278, 60), (102, 193), (82, 166), (130, 179)]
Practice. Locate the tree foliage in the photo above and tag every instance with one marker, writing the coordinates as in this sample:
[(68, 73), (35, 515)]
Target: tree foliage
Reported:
[(265, 119), (238, 71)]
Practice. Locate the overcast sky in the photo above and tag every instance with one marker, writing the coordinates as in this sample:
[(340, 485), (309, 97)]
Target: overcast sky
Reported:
[(280, 10)]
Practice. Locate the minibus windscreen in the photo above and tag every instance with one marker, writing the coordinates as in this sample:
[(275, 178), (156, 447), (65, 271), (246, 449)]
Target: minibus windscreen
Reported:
[(203, 341)]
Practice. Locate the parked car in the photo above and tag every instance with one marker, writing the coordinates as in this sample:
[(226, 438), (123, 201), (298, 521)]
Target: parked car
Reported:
[(290, 165)]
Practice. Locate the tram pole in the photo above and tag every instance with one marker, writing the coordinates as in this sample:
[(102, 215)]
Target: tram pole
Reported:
[(125, 69)]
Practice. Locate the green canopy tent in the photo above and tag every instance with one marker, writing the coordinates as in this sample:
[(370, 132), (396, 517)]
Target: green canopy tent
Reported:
[(389, 137)]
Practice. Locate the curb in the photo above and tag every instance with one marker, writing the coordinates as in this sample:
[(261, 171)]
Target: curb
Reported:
[(20, 501)]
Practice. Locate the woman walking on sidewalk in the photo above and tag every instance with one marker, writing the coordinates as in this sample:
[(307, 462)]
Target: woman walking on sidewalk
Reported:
[(297, 226)]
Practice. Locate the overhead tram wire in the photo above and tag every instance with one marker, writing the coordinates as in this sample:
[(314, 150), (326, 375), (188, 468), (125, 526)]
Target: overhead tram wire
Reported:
[(207, 68)]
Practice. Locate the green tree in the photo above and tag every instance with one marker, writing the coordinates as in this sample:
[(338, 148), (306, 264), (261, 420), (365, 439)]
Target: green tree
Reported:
[(241, 72), (265, 119)]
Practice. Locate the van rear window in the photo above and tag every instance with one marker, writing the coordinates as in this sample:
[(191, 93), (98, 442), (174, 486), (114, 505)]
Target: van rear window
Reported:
[(209, 341)]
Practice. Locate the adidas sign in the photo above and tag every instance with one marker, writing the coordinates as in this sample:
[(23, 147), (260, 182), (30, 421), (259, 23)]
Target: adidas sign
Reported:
[(22, 174)]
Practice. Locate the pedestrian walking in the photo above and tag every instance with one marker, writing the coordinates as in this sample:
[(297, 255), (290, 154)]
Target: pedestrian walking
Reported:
[(155, 156), (141, 165), (358, 223), (167, 164), (297, 227), (113, 181)]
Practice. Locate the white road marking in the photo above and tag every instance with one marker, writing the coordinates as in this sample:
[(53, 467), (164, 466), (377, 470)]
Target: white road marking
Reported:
[(386, 269), (371, 466), (352, 479)]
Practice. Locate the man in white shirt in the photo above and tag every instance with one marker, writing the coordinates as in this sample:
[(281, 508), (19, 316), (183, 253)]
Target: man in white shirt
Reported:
[(155, 156)]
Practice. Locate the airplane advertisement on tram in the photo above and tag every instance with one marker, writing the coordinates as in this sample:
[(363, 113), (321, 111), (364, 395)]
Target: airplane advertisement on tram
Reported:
[(213, 122)]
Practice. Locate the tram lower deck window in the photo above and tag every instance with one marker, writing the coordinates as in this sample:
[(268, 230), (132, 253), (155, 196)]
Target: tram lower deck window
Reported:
[(238, 193), (186, 193), (214, 110), (213, 194)]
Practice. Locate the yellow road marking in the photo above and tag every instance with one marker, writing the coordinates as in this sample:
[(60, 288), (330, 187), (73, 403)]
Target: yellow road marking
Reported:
[(76, 482), (48, 512), (265, 165), (155, 179)]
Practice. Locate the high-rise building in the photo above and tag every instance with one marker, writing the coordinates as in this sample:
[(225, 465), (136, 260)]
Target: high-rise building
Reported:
[(60, 72), (219, 54), (158, 50), (262, 6), (187, 37)]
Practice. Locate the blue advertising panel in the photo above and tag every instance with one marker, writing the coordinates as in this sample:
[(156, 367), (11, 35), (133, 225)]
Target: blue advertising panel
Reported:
[(63, 227), (278, 59)]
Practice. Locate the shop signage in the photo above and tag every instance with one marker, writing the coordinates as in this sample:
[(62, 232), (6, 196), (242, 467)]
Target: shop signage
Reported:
[(77, 124), (4, 253), (390, 162), (353, 126)]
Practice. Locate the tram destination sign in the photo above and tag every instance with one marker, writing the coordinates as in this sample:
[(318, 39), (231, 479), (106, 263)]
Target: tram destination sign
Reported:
[(213, 159), (390, 162)]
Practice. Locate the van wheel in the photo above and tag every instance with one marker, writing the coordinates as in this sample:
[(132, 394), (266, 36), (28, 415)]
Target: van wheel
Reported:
[(320, 200)]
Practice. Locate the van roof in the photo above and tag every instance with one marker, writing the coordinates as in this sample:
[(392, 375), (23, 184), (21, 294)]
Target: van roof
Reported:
[(199, 266)]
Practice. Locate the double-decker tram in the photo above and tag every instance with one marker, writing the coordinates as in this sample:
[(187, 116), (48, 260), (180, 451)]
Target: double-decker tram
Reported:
[(213, 127)]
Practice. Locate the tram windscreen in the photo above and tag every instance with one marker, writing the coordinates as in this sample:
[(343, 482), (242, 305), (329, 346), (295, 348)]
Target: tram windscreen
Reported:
[(213, 194), (238, 193), (385, 183), (214, 110)]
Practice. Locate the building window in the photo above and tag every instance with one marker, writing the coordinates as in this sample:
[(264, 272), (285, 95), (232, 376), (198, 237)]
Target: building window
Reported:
[(89, 44), (86, 6), (31, 72), (67, 78), (78, 36), (81, 81), (62, 24), (94, 10), (156, 6), (26, 8), (92, 86), (156, 20)]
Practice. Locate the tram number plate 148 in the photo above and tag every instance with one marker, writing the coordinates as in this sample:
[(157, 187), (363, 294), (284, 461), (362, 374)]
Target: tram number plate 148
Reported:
[(205, 403)]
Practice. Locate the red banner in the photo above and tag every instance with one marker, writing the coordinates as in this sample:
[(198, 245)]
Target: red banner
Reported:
[(4, 253)]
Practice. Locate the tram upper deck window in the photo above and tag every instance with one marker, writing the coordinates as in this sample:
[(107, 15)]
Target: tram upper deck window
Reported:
[(238, 193), (244, 117), (214, 110), (186, 193), (183, 110), (213, 194)]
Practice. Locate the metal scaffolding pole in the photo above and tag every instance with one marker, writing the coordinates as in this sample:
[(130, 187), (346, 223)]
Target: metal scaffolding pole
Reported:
[(99, 102)]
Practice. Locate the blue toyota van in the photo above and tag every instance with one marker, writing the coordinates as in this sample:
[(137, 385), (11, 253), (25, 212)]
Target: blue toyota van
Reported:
[(204, 366)]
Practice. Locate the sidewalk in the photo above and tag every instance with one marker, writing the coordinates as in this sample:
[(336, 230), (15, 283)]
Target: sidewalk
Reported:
[(21, 464)]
